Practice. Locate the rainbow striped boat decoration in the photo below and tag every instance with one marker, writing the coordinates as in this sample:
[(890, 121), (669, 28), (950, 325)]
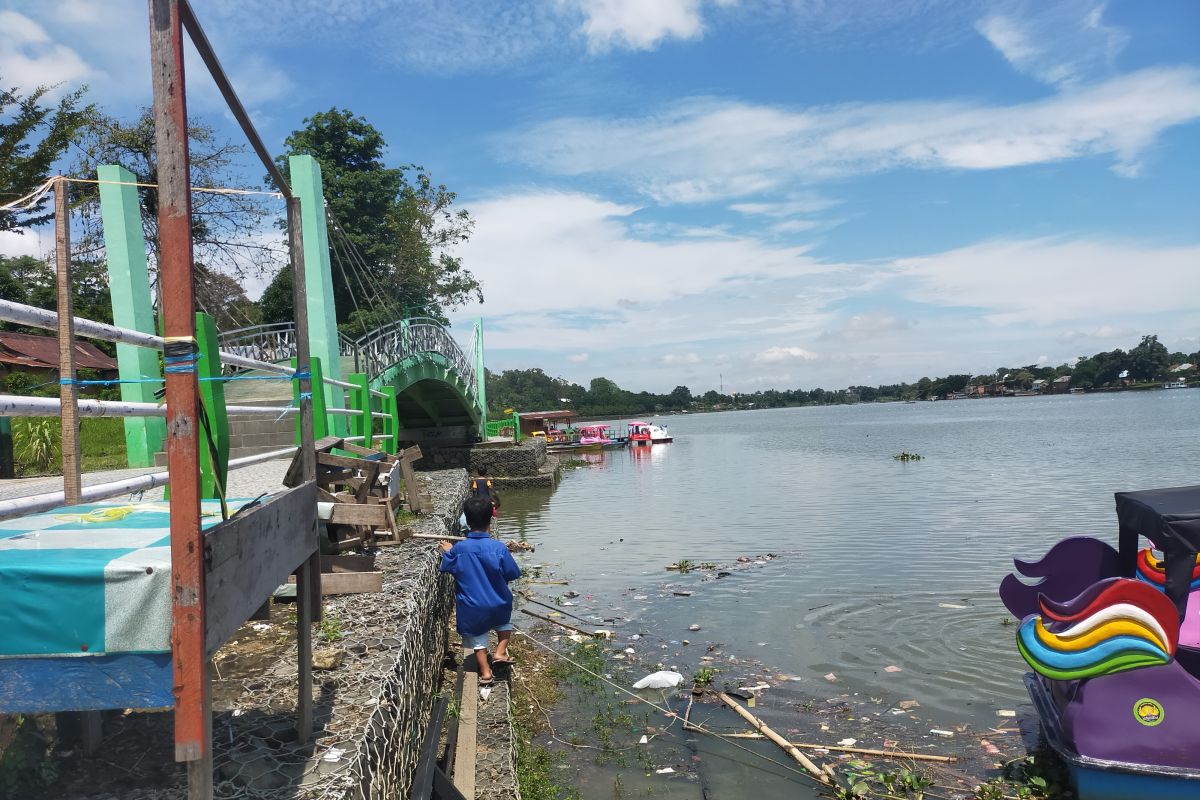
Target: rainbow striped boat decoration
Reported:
[(1152, 570), (1115, 625)]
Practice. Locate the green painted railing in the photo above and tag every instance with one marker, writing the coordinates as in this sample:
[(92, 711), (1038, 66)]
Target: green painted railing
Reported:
[(509, 427)]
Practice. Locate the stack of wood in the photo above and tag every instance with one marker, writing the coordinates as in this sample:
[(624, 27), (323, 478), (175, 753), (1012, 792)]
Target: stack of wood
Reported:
[(360, 491)]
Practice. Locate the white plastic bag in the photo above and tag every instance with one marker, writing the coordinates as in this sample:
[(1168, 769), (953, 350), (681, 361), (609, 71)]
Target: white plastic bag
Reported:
[(660, 680)]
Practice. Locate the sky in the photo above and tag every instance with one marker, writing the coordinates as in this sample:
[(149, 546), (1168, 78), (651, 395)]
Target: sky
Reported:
[(741, 193)]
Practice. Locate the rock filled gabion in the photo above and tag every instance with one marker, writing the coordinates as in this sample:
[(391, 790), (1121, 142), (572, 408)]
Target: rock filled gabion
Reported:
[(371, 708)]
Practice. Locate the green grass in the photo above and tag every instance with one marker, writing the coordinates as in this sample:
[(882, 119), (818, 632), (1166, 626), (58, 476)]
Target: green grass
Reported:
[(101, 444)]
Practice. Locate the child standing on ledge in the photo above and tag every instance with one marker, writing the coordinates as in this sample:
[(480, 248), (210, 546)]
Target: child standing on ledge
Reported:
[(482, 568)]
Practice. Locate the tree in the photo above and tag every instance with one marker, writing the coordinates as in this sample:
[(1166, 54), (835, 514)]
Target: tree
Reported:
[(680, 397), (393, 231), (1149, 360), (30, 280), (227, 229), (32, 137), (276, 303)]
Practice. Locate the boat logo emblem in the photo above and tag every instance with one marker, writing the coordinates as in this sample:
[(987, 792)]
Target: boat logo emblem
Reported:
[(1148, 712)]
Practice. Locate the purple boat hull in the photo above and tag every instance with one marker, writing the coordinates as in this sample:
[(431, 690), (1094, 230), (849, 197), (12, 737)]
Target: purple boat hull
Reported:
[(1128, 736)]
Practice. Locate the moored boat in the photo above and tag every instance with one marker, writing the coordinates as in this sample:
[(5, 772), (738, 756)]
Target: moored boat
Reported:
[(643, 433), (1113, 639)]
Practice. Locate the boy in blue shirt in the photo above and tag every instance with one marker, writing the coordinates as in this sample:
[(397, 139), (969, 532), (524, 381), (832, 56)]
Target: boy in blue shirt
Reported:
[(482, 568)]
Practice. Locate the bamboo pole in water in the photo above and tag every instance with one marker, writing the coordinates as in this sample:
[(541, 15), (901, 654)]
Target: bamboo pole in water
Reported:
[(783, 743), (861, 750)]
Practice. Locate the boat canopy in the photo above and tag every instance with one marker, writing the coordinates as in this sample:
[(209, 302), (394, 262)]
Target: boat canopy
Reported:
[(1170, 519), (585, 428), (638, 422)]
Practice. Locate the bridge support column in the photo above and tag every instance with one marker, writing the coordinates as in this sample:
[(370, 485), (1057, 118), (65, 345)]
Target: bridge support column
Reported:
[(305, 175), (129, 285), (480, 378)]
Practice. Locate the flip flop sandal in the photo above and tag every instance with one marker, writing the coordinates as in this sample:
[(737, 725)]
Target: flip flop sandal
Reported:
[(487, 681), (509, 661)]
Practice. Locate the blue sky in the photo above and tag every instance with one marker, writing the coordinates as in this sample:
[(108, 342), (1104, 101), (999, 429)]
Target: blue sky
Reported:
[(784, 193)]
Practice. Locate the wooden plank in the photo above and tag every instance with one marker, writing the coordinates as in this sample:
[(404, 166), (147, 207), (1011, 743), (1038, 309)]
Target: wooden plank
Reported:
[(358, 450), (252, 554), (370, 476), (365, 563), (350, 462), (468, 735), (354, 514), (68, 393), (335, 583)]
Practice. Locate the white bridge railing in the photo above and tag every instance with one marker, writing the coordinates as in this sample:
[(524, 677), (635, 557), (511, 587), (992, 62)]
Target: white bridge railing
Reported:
[(372, 353)]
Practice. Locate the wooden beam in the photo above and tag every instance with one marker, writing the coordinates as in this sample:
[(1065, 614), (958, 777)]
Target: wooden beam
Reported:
[(355, 514), (335, 583), (252, 554), (193, 702), (468, 732), (68, 392)]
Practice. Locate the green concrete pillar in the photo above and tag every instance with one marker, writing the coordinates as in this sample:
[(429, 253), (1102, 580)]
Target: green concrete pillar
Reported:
[(129, 284), (214, 467), (360, 401), (305, 174), (320, 418), (480, 377)]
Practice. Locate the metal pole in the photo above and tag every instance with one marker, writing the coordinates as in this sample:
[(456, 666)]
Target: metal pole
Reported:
[(193, 699), (67, 390), (308, 579)]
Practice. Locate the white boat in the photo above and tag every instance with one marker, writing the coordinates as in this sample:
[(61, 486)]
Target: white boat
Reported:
[(1175, 385), (643, 433)]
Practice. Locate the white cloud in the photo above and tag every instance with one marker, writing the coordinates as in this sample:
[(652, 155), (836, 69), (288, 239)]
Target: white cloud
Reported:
[(1103, 332), (31, 242), (1058, 43), (30, 58), (705, 149), (1055, 280), (638, 24), (784, 355), (861, 327), (680, 358), (583, 247), (577, 358)]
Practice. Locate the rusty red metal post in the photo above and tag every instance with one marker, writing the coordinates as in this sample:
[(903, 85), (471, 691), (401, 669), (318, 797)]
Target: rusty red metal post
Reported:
[(193, 701)]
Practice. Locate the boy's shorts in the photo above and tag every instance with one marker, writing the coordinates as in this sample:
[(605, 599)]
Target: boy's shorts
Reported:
[(480, 642)]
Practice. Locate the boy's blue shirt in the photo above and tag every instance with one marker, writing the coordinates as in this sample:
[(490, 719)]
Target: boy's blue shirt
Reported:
[(482, 568)]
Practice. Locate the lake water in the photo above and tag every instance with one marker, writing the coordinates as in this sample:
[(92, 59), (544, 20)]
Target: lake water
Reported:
[(882, 563)]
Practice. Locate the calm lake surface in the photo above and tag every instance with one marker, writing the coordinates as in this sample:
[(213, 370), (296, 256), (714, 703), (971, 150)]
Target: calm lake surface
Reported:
[(883, 563)]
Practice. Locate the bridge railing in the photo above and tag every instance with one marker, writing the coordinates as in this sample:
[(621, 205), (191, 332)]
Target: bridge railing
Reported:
[(274, 342), (395, 341)]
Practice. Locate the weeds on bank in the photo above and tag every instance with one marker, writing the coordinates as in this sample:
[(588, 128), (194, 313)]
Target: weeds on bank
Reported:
[(874, 780), (330, 629), (1038, 776)]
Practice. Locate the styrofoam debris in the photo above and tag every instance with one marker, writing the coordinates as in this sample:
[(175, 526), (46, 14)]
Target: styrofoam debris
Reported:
[(1004, 712), (333, 754), (940, 732), (664, 771), (644, 740), (848, 742)]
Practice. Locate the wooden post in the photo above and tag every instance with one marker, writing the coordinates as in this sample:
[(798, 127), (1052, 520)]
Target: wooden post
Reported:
[(193, 699), (308, 577), (68, 392)]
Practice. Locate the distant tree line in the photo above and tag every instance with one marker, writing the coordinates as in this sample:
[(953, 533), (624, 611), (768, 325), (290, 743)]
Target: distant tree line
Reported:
[(534, 390)]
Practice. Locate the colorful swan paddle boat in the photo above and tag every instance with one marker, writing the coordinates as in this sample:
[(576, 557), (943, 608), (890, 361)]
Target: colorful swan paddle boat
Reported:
[(1113, 639)]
